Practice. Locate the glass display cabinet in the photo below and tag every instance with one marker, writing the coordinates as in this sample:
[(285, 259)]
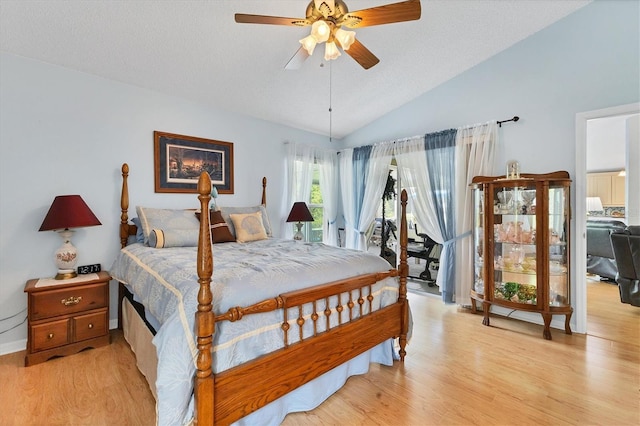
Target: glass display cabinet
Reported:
[(521, 244)]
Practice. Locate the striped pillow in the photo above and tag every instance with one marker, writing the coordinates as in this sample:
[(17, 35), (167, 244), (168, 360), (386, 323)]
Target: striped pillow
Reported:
[(220, 232)]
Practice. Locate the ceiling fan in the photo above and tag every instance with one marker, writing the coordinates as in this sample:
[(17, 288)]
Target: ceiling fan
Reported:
[(327, 17)]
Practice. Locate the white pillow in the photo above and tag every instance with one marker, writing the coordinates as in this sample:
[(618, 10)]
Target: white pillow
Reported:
[(249, 227), (165, 219), (228, 211)]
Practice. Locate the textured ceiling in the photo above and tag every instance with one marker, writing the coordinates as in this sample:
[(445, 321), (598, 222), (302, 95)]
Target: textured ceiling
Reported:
[(195, 50)]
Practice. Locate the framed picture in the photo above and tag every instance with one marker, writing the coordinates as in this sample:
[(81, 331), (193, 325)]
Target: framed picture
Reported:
[(179, 160)]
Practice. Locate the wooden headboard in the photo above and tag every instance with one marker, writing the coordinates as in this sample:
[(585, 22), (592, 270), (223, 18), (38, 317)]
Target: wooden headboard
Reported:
[(129, 229)]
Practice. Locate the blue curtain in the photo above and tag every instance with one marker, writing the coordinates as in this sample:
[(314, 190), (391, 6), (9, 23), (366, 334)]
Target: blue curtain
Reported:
[(360, 170), (440, 152)]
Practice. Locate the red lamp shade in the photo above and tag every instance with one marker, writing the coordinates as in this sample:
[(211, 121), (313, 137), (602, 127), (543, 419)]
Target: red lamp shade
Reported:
[(68, 211), (300, 213)]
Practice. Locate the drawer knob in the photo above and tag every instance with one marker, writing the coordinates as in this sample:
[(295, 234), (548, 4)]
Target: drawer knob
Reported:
[(70, 301), (50, 336), (90, 326)]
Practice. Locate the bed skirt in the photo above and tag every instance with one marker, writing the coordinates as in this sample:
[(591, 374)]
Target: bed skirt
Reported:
[(307, 397)]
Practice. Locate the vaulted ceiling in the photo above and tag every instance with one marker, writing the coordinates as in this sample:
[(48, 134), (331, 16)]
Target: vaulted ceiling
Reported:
[(195, 50)]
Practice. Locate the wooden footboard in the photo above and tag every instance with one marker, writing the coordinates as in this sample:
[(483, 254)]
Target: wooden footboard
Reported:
[(232, 394)]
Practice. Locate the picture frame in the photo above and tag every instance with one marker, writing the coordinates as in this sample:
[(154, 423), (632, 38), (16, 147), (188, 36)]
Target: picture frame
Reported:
[(179, 160)]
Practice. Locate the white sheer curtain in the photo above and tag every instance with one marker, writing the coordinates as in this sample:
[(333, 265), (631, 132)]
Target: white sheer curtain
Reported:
[(347, 189), (328, 165), (378, 170), (300, 160), (372, 170), (475, 155), (412, 167)]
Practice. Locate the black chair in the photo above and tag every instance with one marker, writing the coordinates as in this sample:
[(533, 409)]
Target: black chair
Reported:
[(428, 250), (626, 248)]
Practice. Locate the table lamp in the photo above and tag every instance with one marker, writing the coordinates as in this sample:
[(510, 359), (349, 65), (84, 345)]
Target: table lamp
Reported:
[(299, 213), (67, 211), (594, 204)]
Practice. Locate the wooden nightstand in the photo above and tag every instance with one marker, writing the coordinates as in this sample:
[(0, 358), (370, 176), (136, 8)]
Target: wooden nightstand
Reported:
[(66, 317)]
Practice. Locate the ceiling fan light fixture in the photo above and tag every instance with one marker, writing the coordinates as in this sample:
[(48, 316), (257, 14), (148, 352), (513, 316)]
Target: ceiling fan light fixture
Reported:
[(346, 38), (331, 51), (309, 44), (321, 31), (325, 7)]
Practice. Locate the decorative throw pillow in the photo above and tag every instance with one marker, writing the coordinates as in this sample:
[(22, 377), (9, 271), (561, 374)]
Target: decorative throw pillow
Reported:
[(159, 238), (249, 227), (220, 232), (228, 211), (139, 233), (165, 219)]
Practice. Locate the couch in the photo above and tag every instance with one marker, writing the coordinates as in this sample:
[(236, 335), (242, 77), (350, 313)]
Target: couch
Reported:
[(626, 249), (600, 258)]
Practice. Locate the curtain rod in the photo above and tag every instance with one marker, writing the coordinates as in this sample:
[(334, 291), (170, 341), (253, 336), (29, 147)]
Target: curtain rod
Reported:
[(514, 119)]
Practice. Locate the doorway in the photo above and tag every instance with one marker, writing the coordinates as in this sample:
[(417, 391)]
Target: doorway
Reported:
[(580, 202)]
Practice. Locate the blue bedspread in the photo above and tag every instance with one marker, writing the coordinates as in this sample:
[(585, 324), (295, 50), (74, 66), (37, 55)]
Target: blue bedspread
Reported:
[(165, 281)]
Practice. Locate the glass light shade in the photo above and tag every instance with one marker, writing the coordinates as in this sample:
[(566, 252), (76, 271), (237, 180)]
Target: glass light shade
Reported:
[(346, 38), (320, 31), (309, 43), (331, 51)]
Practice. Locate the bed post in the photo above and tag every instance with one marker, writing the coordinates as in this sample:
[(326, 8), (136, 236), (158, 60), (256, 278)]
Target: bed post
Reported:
[(404, 271), (124, 207), (124, 231), (264, 191), (205, 320)]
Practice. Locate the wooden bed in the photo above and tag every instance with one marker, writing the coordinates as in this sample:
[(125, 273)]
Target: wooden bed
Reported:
[(227, 396)]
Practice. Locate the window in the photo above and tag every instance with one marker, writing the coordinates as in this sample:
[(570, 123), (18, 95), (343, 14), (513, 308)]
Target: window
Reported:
[(313, 230)]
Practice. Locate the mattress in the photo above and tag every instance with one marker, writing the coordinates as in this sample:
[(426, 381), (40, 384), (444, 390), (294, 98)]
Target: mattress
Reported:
[(165, 282)]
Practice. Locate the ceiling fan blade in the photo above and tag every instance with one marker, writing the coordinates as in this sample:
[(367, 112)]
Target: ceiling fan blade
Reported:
[(387, 14), (362, 55), (297, 60), (243, 18)]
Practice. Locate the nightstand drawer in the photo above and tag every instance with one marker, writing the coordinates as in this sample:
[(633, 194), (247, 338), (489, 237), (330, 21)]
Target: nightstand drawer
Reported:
[(49, 335), (68, 300), (90, 325)]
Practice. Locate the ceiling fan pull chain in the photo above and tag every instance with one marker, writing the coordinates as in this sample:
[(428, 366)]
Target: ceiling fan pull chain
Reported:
[(330, 102)]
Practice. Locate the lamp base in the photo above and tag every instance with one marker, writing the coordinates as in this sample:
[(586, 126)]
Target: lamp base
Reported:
[(65, 274), (65, 256), (299, 236)]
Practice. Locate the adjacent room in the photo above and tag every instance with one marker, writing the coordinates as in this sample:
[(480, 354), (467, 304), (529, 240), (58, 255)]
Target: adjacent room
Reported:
[(322, 212)]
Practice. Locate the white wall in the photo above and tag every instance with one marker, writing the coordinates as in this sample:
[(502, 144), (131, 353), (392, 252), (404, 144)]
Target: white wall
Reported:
[(606, 144), (587, 61), (65, 132)]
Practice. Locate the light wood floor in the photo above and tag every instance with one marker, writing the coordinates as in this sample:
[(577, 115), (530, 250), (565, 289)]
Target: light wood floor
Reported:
[(457, 372)]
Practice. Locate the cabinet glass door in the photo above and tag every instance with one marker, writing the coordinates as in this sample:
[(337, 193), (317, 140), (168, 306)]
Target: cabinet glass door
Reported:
[(558, 255), (515, 245), (478, 240)]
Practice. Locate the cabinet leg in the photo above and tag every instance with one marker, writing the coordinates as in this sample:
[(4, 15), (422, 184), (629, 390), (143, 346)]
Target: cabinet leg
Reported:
[(485, 308), (547, 324), (567, 327)]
